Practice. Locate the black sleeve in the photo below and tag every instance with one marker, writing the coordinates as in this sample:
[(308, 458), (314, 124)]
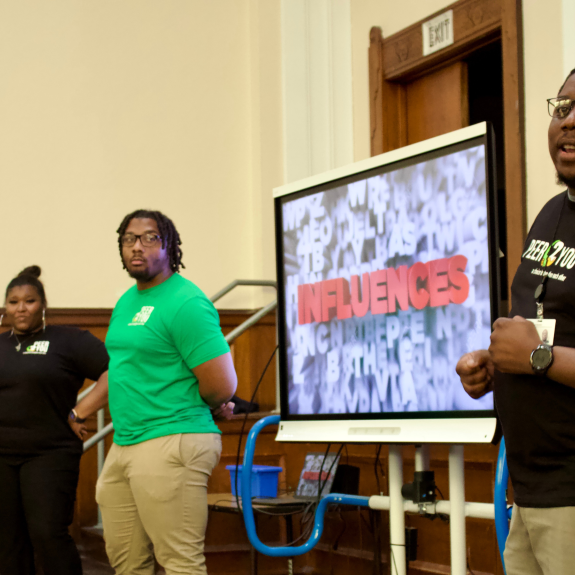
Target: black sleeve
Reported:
[(90, 355)]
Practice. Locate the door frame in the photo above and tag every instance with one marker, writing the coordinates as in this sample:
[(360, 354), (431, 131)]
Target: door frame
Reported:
[(398, 59)]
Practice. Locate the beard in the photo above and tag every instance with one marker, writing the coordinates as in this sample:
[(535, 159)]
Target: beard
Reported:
[(140, 275), (565, 181)]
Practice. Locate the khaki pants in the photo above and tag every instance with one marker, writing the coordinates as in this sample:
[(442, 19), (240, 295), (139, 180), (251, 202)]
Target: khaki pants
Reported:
[(153, 497), (541, 541)]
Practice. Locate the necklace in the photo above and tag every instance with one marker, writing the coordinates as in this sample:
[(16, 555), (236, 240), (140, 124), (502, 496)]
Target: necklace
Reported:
[(19, 346)]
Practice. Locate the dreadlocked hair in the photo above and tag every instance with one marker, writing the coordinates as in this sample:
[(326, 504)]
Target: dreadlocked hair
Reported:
[(168, 232), (568, 76)]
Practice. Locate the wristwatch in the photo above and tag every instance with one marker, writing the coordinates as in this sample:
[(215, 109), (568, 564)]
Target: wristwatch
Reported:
[(541, 359), (73, 416)]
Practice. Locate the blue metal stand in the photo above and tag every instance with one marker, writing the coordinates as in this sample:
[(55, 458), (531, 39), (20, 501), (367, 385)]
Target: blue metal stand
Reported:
[(502, 511), (248, 511)]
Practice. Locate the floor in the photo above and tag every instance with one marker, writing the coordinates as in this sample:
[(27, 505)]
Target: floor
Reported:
[(93, 554)]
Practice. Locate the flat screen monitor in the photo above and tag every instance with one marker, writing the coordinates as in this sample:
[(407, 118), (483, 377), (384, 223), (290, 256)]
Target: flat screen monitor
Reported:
[(388, 272)]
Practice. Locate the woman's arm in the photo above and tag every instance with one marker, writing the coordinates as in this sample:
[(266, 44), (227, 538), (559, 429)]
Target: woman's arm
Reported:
[(94, 401)]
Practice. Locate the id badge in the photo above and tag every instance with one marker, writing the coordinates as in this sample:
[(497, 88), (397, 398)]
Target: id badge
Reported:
[(545, 329)]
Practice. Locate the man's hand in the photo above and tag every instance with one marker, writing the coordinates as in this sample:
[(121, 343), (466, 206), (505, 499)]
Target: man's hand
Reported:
[(512, 342), (79, 429), (224, 411), (475, 370)]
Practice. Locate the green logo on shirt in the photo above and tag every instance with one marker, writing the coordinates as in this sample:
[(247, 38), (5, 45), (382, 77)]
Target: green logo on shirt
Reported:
[(142, 316), (37, 348)]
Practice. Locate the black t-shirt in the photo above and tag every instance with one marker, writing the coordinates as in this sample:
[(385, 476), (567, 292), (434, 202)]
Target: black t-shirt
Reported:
[(538, 414), (39, 385)]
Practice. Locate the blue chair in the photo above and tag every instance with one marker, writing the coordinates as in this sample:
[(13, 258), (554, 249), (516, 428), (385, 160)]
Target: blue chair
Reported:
[(502, 510)]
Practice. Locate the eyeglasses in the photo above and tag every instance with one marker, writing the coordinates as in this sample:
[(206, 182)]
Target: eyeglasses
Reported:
[(148, 240), (560, 107)]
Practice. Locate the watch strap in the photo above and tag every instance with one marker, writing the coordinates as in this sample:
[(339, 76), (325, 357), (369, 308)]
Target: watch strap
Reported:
[(75, 417)]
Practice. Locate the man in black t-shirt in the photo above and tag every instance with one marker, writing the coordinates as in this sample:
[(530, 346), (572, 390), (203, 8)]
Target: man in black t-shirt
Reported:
[(532, 374)]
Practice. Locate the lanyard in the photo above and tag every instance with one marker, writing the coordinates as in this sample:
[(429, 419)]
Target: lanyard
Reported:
[(541, 289)]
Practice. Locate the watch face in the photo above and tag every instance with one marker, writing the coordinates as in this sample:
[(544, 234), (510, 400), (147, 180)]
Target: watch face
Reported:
[(541, 358)]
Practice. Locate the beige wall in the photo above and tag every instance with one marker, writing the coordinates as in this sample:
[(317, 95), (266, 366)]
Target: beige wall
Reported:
[(110, 106), (544, 74), (267, 134)]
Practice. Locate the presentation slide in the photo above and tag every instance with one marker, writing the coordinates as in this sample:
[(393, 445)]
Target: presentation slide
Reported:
[(387, 285)]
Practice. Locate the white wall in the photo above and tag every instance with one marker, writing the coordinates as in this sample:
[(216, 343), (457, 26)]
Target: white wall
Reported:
[(109, 106)]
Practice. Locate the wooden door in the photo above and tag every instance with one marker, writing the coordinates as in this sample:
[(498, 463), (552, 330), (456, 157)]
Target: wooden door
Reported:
[(437, 103)]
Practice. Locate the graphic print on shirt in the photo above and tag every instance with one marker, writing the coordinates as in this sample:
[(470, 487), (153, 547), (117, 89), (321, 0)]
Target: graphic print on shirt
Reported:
[(557, 256), (142, 316), (37, 348)]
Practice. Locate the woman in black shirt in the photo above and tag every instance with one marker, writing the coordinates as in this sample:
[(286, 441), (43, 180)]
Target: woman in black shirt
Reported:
[(42, 369)]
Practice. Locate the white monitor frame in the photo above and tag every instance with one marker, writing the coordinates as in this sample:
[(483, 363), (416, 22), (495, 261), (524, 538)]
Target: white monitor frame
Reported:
[(453, 429)]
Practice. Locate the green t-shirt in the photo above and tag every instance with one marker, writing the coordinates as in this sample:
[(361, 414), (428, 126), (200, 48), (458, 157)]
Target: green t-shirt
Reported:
[(156, 337)]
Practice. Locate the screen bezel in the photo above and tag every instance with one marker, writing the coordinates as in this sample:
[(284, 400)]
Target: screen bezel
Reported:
[(479, 134)]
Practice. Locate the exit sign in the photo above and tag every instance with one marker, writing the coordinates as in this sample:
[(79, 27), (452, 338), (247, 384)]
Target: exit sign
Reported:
[(438, 33)]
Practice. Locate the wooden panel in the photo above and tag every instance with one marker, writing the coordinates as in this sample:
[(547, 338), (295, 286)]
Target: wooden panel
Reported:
[(437, 103), (387, 102), (375, 55), (251, 351), (475, 22)]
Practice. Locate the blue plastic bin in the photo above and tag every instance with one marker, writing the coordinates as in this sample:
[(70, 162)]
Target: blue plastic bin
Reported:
[(264, 480)]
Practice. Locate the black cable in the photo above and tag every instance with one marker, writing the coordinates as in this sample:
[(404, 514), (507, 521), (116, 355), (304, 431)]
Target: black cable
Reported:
[(468, 561), (336, 459), (343, 529), (369, 526), (375, 469), (319, 485), (244, 426), (393, 557), (307, 521)]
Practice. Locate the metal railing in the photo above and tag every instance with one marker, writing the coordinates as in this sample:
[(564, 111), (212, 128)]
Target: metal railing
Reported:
[(103, 431)]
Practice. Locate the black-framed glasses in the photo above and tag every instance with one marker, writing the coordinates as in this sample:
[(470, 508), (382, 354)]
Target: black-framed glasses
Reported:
[(560, 107), (148, 240)]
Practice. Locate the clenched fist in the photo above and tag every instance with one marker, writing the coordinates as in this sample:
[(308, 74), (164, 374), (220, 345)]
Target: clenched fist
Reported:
[(512, 342), (475, 370)]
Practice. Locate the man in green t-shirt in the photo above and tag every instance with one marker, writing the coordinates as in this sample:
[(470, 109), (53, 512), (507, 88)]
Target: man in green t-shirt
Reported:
[(170, 373)]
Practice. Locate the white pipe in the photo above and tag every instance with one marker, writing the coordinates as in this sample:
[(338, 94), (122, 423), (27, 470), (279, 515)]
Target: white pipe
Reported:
[(396, 514), (457, 516), (477, 510), (422, 458), (101, 453)]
